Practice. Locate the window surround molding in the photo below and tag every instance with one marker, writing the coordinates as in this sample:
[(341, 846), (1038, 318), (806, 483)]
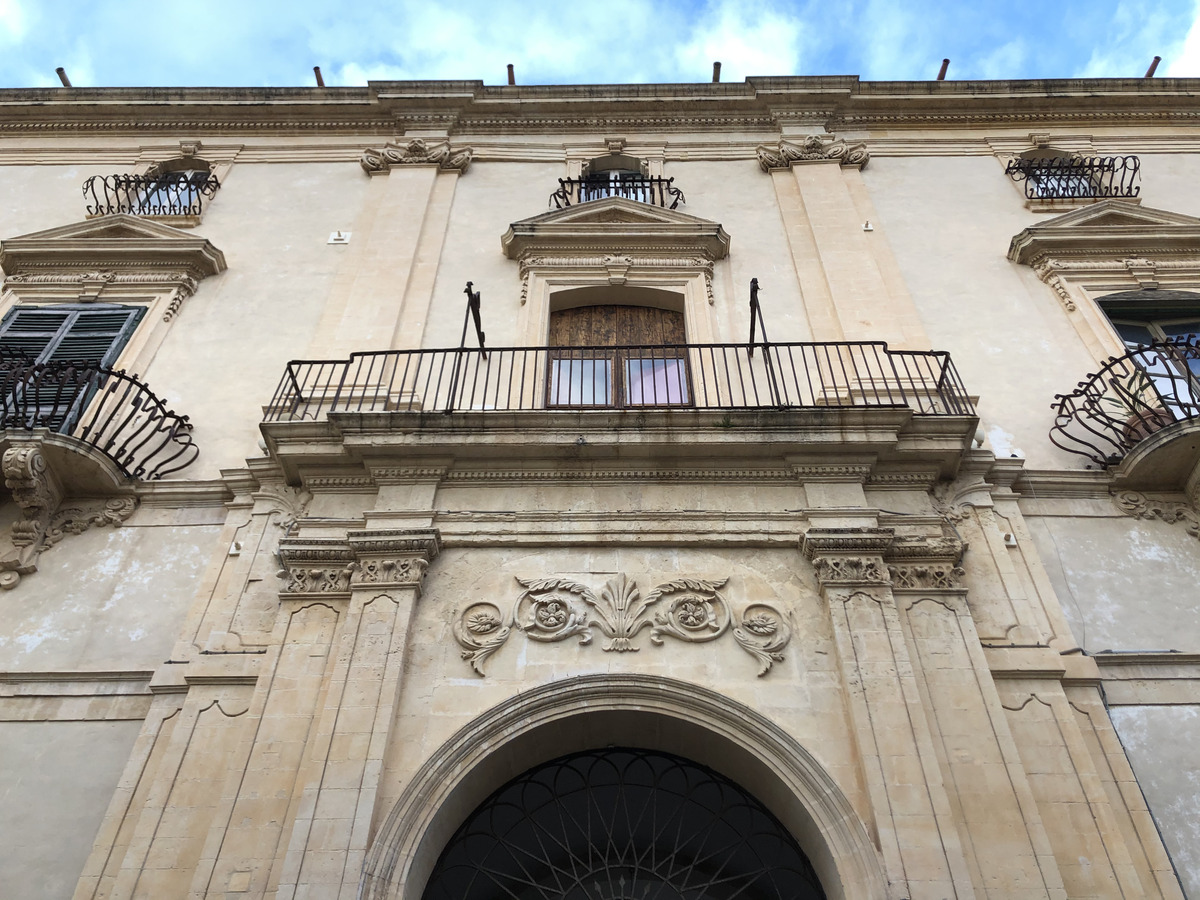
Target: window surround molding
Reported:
[(124, 259), (615, 242), (1110, 246)]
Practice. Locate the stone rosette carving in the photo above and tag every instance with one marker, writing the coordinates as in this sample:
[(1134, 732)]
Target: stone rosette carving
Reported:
[(1172, 512), (814, 148), (416, 153), (690, 610), (46, 520)]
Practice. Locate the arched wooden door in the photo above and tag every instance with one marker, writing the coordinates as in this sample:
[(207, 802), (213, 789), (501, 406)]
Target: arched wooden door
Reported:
[(611, 355)]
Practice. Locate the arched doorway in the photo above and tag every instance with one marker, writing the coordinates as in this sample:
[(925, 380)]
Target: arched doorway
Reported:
[(579, 714), (622, 824)]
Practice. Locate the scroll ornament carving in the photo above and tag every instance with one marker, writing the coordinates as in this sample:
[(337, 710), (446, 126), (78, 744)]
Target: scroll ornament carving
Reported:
[(691, 610), (813, 148), (187, 287), (1047, 271), (318, 580), (390, 571), (45, 522), (1138, 505), (925, 576), (416, 153), (850, 570)]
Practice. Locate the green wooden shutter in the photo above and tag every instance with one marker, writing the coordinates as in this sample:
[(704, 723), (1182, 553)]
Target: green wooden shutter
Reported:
[(94, 335)]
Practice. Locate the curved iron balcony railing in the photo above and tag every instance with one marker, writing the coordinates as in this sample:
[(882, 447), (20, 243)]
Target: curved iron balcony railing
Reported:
[(1130, 398), (644, 189), (681, 376), (104, 408), (1076, 177), (166, 194)]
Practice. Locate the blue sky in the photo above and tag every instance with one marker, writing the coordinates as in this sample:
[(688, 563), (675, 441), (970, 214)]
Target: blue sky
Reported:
[(271, 43)]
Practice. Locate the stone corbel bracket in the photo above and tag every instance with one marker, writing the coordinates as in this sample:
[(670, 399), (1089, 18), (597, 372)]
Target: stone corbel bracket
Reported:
[(919, 563), (46, 519), (316, 566), (815, 148), (878, 557), (416, 153)]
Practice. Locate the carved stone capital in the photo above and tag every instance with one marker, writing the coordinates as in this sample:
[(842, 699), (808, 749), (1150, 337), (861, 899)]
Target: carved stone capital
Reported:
[(924, 576), (416, 153), (316, 566), (393, 557), (815, 148)]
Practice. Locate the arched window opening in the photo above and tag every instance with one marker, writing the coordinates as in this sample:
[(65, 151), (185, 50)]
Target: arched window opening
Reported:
[(617, 354), (617, 175), (622, 824)]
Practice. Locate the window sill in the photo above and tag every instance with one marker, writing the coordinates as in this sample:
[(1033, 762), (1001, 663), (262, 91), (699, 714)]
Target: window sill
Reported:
[(1060, 206)]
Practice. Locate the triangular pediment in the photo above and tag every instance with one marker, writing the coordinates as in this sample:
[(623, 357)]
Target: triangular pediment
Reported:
[(1110, 227), (616, 224), (116, 240)]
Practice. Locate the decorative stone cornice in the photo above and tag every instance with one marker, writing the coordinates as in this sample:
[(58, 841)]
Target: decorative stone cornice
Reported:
[(815, 148), (416, 153), (821, 542), (316, 566), (847, 557)]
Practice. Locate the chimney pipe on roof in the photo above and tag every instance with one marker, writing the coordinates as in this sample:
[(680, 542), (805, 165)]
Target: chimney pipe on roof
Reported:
[(1153, 66), (62, 76), (320, 80), (716, 72), (942, 70), (512, 76)]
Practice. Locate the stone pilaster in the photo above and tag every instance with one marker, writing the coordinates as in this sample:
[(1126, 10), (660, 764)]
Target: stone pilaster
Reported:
[(913, 818), (329, 837)]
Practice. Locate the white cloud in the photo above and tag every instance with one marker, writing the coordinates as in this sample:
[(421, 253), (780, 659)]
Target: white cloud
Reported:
[(13, 25), (746, 38), (1185, 62), (1139, 32), (1006, 61)]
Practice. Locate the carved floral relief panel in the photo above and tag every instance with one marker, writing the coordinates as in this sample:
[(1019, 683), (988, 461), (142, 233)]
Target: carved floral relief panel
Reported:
[(690, 610)]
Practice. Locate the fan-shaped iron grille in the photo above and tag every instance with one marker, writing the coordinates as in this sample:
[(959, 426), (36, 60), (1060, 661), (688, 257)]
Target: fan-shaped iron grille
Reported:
[(622, 824)]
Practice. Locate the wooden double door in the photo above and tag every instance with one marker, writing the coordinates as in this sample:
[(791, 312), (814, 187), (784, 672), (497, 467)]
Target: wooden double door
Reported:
[(617, 356)]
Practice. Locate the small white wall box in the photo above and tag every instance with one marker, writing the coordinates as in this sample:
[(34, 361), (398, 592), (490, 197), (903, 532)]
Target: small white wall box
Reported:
[(339, 237)]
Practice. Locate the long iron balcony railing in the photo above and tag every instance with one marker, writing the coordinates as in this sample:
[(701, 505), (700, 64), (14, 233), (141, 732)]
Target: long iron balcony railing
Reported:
[(1076, 177), (1130, 398), (642, 188), (165, 194), (683, 376), (104, 408)]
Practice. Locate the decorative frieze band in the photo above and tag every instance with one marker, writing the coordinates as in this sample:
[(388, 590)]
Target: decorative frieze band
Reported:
[(416, 153), (1138, 505), (865, 557), (815, 148), (555, 609)]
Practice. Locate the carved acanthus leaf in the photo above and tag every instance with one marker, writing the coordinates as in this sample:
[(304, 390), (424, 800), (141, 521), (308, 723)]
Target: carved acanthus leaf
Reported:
[(811, 149), (850, 570), (480, 631), (763, 633), (416, 153), (1138, 505), (695, 611)]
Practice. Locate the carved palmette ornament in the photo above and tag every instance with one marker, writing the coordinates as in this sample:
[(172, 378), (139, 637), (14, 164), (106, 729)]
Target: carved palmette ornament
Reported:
[(695, 611), (324, 580), (416, 153), (480, 631), (811, 149), (924, 576), (763, 633), (390, 571), (850, 570), (549, 609)]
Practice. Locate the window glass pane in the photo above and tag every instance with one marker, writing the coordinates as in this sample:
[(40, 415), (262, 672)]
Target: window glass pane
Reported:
[(656, 382), (1181, 329), (1132, 334), (580, 382)]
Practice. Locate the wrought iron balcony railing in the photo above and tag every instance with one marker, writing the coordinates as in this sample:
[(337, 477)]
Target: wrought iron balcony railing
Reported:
[(684, 376), (165, 194), (644, 189), (1076, 177), (1130, 398), (107, 409)]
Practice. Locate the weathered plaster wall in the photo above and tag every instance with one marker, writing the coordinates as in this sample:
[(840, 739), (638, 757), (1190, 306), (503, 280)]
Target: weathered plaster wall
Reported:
[(58, 780), (1125, 584), (34, 198), (227, 348), (949, 221), (1161, 742), (1171, 181), (110, 598)]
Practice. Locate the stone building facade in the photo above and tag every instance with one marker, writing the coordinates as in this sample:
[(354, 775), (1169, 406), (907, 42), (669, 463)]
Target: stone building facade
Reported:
[(381, 457)]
